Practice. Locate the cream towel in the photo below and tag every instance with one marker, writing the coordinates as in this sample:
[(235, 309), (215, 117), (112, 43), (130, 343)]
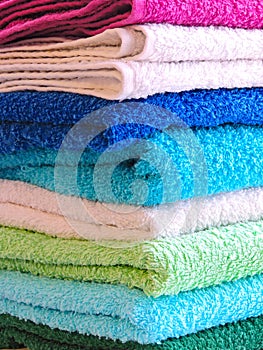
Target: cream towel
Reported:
[(26, 206), (137, 61)]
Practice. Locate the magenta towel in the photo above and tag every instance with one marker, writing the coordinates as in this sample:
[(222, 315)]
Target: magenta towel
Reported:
[(78, 18)]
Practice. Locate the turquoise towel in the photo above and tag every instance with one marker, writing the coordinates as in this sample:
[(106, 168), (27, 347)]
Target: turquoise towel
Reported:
[(213, 160), (119, 313)]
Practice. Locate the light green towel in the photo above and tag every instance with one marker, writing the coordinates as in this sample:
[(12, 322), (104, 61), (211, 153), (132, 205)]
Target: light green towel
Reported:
[(158, 267)]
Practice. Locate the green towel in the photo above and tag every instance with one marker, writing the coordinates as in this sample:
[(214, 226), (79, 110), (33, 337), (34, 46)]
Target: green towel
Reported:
[(244, 335), (164, 266)]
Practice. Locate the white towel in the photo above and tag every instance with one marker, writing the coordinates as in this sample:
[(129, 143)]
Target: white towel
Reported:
[(116, 80), (26, 206), (137, 61), (149, 42)]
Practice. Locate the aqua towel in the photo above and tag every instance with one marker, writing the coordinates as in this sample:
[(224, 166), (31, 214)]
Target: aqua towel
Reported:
[(119, 313), (160, 266), (245, 335)]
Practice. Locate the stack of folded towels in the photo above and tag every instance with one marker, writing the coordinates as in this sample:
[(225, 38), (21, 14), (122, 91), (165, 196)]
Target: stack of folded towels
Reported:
[(135, 224)]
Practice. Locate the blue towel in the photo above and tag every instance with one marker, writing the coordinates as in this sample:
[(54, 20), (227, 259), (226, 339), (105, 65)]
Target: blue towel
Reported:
[(38, 119), (212, 160), (116, 312), (195, 108)]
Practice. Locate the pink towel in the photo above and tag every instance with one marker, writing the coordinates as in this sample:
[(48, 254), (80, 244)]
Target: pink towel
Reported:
[(78, 18)]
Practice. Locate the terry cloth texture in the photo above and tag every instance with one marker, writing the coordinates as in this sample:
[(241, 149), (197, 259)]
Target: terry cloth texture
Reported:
[(66, 66), (175, 164), (119, 80), (116, 312), (163, 266), (81, 18), (195, 108), (151, 42), (30, 119), (25, 206), (245, 335)]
